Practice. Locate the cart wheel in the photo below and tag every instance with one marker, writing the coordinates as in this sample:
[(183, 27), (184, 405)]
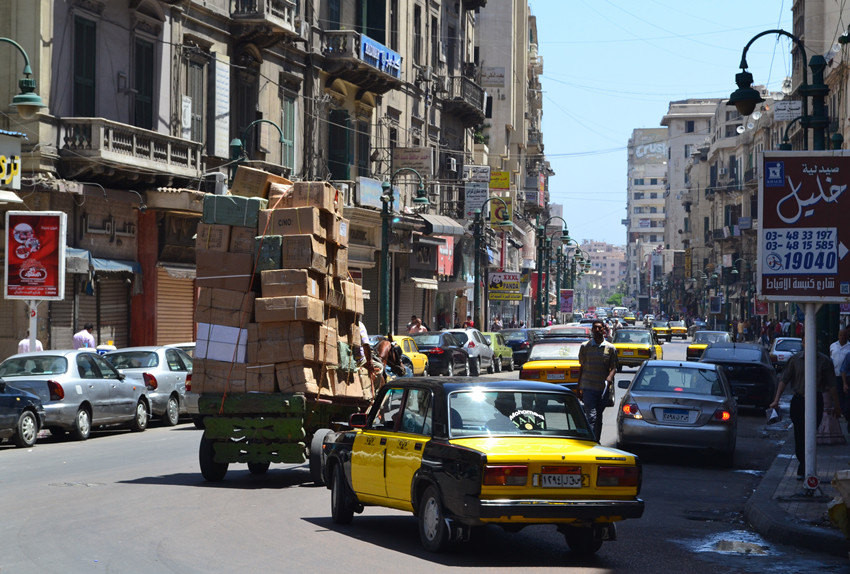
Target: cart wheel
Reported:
[(213, 471), (317, 457), (258, 467)]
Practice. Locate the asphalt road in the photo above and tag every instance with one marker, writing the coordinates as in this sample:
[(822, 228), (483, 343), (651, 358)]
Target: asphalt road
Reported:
[(136, 502)]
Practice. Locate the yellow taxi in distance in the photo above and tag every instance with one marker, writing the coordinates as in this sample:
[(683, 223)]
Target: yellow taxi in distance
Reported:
[(678, 329), (634, 346), (629, 318), (662, 330), (409, 348), (553, 361), (703, 339)]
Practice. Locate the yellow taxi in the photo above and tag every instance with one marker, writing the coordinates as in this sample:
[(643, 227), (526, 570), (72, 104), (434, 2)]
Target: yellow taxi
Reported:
[(634, 346), (703, 339), (678, 329), (662, 330), (629, 318), (411, 351), (553, 361)]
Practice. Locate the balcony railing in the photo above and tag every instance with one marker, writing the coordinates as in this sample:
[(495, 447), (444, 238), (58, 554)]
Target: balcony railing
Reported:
[(361, 61), (535, 137), (103, 141), (474, 4), (280, 14), (465, 98)]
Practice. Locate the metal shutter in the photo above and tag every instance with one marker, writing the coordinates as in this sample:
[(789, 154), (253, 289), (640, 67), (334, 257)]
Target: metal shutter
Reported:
[(175, 308), (113, 297), (62, 318)]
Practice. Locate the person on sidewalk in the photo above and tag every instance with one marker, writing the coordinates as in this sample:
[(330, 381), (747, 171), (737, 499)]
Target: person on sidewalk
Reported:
[(24, 344), (598, 360), (795, 376), (84, 338), (838, 351), (417, 327)]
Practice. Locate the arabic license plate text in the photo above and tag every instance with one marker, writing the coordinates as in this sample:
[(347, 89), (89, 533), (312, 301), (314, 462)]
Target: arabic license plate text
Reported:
[(675, 416), (560, 480)]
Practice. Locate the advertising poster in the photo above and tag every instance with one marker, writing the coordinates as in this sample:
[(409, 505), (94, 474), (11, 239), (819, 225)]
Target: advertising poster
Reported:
[(565, 301), (35, 255), (500, 211), (715, 304), (504, 287)]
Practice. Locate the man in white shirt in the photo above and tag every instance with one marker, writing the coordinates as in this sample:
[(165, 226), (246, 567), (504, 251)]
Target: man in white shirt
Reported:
[(838, 351), (84, 339), (365, 347), (24, 344)]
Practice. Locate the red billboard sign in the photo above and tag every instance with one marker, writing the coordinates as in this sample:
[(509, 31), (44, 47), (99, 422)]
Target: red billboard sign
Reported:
[(565, 302), (35, 255), (803, 232), (446, 256)]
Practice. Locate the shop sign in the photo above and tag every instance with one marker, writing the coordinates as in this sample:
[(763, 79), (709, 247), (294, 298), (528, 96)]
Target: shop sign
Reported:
[(10, 162), (379, 56), (500, 211), (445, 255), (420, 159), (476, 195), (35, 255), (500, 180)]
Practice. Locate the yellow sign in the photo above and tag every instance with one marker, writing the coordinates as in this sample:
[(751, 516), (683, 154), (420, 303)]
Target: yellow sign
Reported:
[(500, 180), (499, 212), (504, 296)]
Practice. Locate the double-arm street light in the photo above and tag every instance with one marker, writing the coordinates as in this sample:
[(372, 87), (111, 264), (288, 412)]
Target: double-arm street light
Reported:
[(734, 278), (479, 232), (541, 253)]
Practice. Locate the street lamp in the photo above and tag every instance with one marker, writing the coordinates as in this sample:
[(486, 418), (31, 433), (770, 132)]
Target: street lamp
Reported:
[(237, 146), (384, 325), (28, 103), (479, 231), (541, 246)]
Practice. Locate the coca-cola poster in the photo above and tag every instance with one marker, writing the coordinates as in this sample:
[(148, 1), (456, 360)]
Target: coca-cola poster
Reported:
[(35, 255)]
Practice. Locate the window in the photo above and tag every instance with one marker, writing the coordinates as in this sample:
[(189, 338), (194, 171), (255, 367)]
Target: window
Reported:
[(638, 181), (653, 181), (732, 115), (435, 43), (638, 195), (416, 418), (731, 130), (653, 195), (85, 49), (417, 35), (451, 49), (653, 238), (333, 22), (689, 128), (195, 90), (287, 124), (394, 25), (688, 148), (637, 210), (339, 144), (363, 150), (653, 210), (370, 18), (246, 92), (143, 76)]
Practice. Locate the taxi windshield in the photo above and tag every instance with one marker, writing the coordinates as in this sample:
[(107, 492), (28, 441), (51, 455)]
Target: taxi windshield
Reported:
[(554, 352), (636, 337)]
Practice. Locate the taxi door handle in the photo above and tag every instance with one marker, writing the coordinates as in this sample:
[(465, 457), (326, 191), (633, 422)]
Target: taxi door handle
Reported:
[(383, 441)]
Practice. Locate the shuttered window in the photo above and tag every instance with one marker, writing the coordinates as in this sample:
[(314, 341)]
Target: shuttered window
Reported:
[(143, 73), (287, 123), (85, 49), (175, 310), (195, 89)]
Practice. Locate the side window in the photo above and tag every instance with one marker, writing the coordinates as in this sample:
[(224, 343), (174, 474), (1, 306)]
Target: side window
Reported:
[(173, 360), (86, 366), (387, 414), (107, 371), (413, 346), (416, 417), (406, 346), (187, 360)]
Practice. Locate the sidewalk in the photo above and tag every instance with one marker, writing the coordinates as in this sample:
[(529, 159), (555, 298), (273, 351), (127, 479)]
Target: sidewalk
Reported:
[(781, 513)]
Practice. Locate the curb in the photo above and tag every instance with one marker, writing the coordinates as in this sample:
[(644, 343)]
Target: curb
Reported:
[(768, 519)]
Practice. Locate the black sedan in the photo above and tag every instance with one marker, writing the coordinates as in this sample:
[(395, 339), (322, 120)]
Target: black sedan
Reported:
[(520, 341), (446, 355), (21, 415), (748, 369)]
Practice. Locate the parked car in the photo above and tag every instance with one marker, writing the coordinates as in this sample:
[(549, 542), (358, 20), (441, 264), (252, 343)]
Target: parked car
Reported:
[(703, 339), (678, 329), (480, 353), (446, 356), (80, 390), (676, 404), (520, 341), (418, 361), (503, 355), (553, 361), (21, 415), (782, 349), (511, 453), (636, 346), (164, 370), (748, 369), (188, 348)]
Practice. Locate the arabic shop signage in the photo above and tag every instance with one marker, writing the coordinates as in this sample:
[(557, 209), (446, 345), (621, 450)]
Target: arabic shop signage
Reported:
[(804, 236), (35, 255), (10, 162), (379, 56)]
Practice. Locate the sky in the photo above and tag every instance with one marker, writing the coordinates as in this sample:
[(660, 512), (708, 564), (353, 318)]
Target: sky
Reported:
[(611, 66)]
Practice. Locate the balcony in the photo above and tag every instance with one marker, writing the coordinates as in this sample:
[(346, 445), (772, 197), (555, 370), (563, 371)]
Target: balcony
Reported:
[(464, 99), (535, 138), (112, 152), (474, 4), (265, 21), (750, 175), (358, 59)]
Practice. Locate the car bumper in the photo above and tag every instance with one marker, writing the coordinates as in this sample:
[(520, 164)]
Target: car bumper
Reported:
[(60, 414), (520, 357), (760, 395), (438, 364), (542, 510), (191, 400), (639, 432), (632, 361)]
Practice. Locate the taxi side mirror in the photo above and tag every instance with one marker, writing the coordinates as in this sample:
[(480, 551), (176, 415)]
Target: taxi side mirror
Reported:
[(357, 420)]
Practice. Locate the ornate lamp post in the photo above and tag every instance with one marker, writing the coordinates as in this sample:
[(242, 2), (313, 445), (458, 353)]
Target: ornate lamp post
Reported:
[(541, 248), (478, 232), (28, 103)]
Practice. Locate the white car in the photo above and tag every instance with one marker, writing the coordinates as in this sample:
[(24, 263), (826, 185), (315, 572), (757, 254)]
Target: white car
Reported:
[(783, 349), (480, 353)]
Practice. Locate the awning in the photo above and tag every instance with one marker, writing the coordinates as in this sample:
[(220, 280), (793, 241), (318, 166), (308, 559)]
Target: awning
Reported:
[(178, 271), (100, 265), (9, 197), (441, 225), (422, 283), (422, 240)]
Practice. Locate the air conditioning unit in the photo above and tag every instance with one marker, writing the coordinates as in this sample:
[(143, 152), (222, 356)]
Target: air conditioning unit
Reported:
[(451, 165)]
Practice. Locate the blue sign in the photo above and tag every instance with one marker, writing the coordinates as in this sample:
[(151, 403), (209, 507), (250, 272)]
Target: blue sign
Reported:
[(775, 174), (379, 56)]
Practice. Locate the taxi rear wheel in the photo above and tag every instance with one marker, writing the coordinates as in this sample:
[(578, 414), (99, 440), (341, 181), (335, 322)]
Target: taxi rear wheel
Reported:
[(433, 531), (342, 507), (582, 541)]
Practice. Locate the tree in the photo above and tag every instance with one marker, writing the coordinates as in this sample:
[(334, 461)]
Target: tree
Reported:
[(615, 300)]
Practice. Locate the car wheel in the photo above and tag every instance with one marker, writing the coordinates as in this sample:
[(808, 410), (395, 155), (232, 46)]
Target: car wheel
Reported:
[(82, 424), (316, 456), (474, 367), (497, 364), (140, 420), (427, 368), (342, 506), (211, 470), (433, 531), (511, 365), (27, 430), (172, 412), (258, 467), (581, 540)]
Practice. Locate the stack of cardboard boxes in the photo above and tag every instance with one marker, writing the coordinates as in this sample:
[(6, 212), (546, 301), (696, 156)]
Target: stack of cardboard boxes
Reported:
[(276, 310)]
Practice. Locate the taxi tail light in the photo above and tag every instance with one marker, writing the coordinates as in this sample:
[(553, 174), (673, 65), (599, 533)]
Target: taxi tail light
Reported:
[(150, 380), (618, 476), (722, 415), (526, 374), (506, 475), (632, 410), (693, 352), (189, 382), (575, 372), (57, 393), (436, 351)]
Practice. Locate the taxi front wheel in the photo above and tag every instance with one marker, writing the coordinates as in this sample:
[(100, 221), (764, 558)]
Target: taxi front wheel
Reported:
[(433, 530)]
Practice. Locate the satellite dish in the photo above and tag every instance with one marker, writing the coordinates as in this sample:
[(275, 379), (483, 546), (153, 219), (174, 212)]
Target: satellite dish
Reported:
[(740, 129), (750, 125), (756, 115)]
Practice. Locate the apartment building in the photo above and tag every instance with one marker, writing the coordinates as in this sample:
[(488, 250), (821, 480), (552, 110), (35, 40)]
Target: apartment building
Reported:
[(609, 261)]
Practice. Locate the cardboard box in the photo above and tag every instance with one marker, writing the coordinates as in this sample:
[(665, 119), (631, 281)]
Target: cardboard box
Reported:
[(242, 240), (222, 270), (304, 252), (291, 341), (299, 308), (333, 294), (268, 250), (353, 296), (250, 182), (339, 263), (289, 282), (337, 229), (212, 237), (291, 221), (224, 307), (210, 376), (233, 210), (297, 377), (260, 378), (319, 194), (221, 343), (279, 195)]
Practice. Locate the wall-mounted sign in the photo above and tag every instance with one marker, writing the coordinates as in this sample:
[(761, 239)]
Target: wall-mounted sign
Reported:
[(371, 192), (220, 94), (492, 77), (787, 110), (419, 158), (565, 301), (35, 255), (445, 255), (379, 56), (10, 162), (477, 173), (500, 180), (499, 211), (476, 195)]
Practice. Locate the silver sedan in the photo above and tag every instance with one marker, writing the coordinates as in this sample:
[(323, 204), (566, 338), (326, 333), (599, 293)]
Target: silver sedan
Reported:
[(679, 404), (163, 370)]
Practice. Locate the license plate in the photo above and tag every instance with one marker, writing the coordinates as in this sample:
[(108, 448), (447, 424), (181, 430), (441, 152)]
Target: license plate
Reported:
[(560, 480), (675, 415), (628, 353), (555, 376)]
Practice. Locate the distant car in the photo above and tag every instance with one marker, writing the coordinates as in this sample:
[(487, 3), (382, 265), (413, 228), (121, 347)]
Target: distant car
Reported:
[(697, 325), (418, 360), (503, 355), (703, 339), (446, 355), (520, 341), (748, 369), (164, 370), (635, 346), (676, 404), (782, 349), (661, 329), (553, 361), (678, 329), (629, 318), (21, 415), (581, 330), (80, 390), (480, 353)]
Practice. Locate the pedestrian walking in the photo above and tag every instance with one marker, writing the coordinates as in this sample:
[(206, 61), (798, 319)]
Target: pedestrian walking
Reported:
[(24, 344), (84, 338), (598, 360), (469, 323), (417, 326), (838, 352), (497, 323)]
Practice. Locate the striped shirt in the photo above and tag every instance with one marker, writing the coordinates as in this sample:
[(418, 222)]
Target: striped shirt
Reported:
[(596, 362)]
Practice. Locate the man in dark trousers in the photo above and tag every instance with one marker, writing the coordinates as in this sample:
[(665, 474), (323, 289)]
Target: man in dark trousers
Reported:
[(598, 360)]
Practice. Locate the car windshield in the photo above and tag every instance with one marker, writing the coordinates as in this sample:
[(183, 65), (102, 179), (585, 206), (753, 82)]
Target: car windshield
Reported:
[(133, 359), (568, 331), (516, 413), (791, 345), (733, 353), (41, 365), (677, 323), (427, 340), (638, 337), (678, 380), (659, 324), (708, 337), (515, 335), (554, 352), (460, 336)]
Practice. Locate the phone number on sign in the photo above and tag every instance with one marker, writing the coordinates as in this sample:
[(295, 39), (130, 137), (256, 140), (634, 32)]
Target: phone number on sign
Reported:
[(813, 251)]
